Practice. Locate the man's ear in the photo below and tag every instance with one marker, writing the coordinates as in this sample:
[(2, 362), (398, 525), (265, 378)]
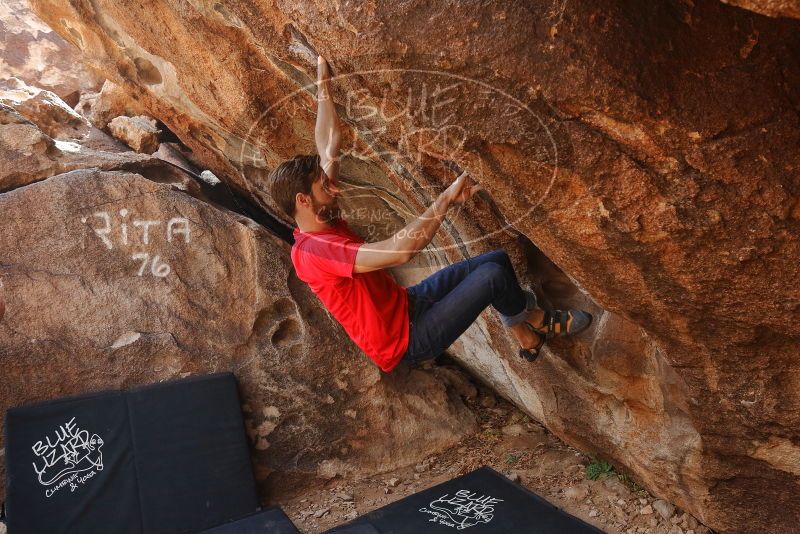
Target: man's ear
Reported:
[(301, 199)]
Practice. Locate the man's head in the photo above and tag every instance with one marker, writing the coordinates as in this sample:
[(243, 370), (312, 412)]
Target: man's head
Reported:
[(303, 191)]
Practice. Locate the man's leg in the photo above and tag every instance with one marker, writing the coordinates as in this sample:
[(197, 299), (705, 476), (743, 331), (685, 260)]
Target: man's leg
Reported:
[(439, 325), (439, 284)]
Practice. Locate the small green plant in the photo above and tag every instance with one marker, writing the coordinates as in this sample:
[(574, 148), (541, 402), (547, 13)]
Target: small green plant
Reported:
[(632, 484), (511, 459), (490, 435), (598, 468), (518, 418)]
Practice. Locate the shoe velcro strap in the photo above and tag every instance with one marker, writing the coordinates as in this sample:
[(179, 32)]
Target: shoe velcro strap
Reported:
[(547, 322), (563, 318)]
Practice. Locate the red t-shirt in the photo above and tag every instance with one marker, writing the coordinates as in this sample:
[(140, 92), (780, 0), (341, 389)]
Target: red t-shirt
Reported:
[(372, 307)]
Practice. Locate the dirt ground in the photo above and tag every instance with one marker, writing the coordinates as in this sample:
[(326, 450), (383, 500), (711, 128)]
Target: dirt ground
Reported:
[(516, 446)]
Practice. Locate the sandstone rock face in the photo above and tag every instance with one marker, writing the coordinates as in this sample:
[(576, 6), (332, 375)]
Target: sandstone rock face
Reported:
[(640, 161), (51, 114), (100, 108), (772, 8), (31, 51), (111, 279), (28, 154)]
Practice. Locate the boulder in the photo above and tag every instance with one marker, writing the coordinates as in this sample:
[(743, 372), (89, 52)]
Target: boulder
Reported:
[(27, 154), (31, 51), (772, 8), (639, 159), (44, 108), (664, 509), (140, 132), (51, 139), (112, 101), (112, 279)]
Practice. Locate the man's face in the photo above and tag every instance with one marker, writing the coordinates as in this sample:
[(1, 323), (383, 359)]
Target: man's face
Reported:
[(324, 201)]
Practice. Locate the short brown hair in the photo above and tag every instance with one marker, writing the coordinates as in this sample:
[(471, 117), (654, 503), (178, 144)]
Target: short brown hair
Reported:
[(291, 177)]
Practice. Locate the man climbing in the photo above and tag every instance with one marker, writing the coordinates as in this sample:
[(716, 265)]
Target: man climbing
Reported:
[(391, 323)]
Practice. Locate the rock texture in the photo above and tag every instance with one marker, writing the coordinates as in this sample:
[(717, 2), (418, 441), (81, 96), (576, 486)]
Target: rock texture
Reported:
[(41, 136), (772, 8), (111, 102), (51, 114), (640, 160), (128, 271), (31, 51), (112, 276), (140, 132)]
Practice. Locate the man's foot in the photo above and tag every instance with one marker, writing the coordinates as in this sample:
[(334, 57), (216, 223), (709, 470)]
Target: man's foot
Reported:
[(530, 339), (541, 325), (564, 323)]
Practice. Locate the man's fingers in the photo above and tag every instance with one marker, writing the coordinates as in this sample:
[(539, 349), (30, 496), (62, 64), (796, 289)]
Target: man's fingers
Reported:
[(462, 179), (322, 68), (323, 77), (463, 188), (472, 190), (468, 193), (458, 185)]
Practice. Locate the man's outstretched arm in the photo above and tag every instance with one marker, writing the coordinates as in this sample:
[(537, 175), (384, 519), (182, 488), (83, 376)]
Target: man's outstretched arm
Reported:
[(406, 243), (327, 132)]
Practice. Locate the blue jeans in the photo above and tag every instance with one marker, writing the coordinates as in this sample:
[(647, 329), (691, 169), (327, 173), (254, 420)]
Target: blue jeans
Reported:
[(449, 301)]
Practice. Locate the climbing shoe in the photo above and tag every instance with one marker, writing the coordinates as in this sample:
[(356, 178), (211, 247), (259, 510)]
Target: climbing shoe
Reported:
[(580, 322), (532, 353)]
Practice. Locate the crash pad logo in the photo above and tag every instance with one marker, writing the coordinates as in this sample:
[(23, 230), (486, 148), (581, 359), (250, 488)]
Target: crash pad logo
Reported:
[(67, 458), (463, 510)]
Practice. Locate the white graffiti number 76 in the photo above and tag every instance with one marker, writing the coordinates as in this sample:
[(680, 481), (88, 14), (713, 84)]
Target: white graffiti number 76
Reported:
[(157, 268)]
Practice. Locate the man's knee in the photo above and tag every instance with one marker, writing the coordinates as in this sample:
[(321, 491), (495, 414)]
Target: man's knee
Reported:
[(501, 257), (493, 272)]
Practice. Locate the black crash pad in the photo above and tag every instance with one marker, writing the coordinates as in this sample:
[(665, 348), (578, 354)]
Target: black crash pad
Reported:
[(480, 502), (269, 521), (170, 457)]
